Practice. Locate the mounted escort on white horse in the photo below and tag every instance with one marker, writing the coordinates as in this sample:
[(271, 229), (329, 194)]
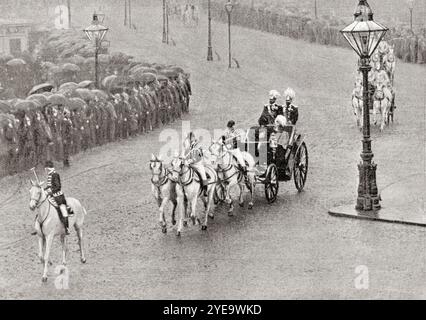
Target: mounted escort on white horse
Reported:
[(50, 222)]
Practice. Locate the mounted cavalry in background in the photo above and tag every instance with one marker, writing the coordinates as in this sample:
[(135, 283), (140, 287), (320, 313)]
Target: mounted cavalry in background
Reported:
[(381, 87)]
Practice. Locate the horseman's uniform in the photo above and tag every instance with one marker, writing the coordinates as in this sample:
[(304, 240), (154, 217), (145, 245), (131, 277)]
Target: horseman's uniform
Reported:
[(195, 158), (269, 113), (54, 190), (231, 139)]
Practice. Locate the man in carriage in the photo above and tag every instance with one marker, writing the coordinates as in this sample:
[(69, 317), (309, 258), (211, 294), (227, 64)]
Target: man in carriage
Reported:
[(271, 110), (286, 122)]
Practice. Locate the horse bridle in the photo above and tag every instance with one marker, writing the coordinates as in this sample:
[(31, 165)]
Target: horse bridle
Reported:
[(162, 180), (37, 201)]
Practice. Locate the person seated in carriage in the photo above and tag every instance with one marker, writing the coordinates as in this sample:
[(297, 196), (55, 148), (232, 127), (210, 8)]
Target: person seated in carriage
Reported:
[(230, 139), (286, 123), (195, 157), (271, 110)]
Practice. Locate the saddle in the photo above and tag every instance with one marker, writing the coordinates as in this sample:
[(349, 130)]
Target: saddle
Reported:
[(58, 210)]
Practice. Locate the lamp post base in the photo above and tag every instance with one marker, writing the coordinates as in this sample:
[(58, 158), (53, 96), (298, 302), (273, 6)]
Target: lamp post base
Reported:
[(209, 54), (403, 202), (368, 197)]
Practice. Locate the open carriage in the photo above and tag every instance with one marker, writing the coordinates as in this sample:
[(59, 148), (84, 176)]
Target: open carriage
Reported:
[(274, 162)]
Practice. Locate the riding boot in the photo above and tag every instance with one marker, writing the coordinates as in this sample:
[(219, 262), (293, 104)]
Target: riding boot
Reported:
[(66, 225), (205, 186)]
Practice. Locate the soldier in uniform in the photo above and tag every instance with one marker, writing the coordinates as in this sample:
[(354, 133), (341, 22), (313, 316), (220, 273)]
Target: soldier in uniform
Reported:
[(194, 155), (271, 110), (67, 136), (126, 115), (54, 189), (10, 135)]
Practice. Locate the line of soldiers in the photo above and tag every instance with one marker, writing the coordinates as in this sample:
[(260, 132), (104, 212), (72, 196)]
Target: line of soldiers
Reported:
[(291, 22), (56, 125)]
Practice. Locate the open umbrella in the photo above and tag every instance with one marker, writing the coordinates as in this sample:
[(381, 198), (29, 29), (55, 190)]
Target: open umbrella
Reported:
[(26, 105), (76, 59), (16, 63), (57, 99), (77, 104), (70, 67), (42, 99), (85, 84), (169, 73), (146, 77), (68, 86), (100, 94), (85, 94), (44, 87), (107, 82)]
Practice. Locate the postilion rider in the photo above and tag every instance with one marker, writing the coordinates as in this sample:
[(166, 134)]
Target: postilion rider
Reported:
[(230, 139), (53, 189), (195, 158)]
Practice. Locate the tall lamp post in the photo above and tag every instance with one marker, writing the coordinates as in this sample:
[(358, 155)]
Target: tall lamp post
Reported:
[(364, 35), (96, 32), (164, 21), (411, 7), (228, 7), (209, 41)]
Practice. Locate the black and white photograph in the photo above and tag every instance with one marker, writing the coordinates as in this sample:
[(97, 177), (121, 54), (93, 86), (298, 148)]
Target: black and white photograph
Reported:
[(200, 150)]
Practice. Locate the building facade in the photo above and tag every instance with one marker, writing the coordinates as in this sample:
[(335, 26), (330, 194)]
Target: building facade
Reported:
[(14, 36)]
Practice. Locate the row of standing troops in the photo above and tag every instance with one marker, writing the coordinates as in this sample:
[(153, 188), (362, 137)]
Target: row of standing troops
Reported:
[(409, 46), (56, 131)]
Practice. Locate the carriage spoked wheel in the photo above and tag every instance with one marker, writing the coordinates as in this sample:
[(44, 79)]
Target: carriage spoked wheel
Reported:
[(271, 183), (300, 169)]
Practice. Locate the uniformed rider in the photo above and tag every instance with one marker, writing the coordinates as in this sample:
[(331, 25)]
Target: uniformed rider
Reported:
[(195, 157), (230, 139), (54, 189)]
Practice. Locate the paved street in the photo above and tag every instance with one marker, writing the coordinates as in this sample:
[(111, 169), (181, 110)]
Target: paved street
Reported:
[(291, 249)]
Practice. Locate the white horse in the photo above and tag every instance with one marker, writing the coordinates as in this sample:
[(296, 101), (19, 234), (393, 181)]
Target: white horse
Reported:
[(230, 175), (389, 62), (188, 190), (357, 102), (48, 225), (382, 102), (163, 189)]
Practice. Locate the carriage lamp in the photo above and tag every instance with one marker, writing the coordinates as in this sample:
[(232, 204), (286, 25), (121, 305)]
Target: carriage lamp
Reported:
[(364, 35), (229, 6), (96, 32)]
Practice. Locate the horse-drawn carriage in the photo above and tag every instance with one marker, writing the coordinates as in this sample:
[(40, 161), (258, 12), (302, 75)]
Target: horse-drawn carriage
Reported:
[(275, 161)]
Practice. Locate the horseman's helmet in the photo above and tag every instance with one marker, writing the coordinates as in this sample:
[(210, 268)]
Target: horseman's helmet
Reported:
[(274, 94), (289, 94), (230, 123)]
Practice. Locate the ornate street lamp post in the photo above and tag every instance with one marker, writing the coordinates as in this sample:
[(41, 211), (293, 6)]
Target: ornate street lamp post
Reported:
[(411, 7), (96, 32), (164, 22), (209, 41), (228, 7), (364, 35)]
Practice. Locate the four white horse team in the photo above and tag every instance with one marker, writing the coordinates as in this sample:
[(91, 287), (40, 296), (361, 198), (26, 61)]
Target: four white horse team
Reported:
[(380, 83)]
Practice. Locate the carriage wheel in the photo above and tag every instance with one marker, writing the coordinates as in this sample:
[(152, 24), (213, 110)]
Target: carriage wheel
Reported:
[(219, 193), (300, 169), (271, 183)]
